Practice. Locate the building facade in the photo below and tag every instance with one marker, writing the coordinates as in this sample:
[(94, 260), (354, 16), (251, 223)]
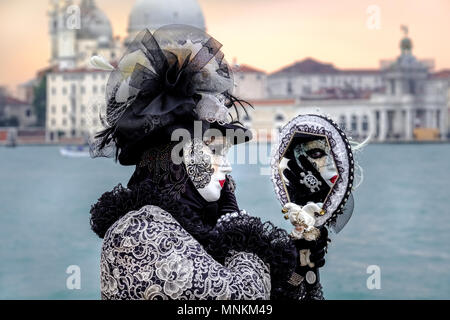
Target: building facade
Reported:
[(310, 78), (75, 91), (402, 101), (16, 113), (249, 82), (75, 99)]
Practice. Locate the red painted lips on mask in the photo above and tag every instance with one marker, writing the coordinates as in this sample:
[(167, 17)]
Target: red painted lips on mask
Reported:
[(222, 182), (333, 180)]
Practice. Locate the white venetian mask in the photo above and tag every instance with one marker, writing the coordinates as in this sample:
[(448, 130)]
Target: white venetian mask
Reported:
[(207, 165), (319, 154)]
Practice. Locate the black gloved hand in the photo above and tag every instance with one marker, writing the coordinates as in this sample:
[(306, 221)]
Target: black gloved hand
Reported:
[(227, 201), (300, 193), (318, 249)]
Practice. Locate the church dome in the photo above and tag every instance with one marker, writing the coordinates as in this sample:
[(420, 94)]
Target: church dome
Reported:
[(153, 14), (94, 22)]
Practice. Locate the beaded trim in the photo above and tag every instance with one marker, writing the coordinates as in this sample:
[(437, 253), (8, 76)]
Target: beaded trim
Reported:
[(228, 216)]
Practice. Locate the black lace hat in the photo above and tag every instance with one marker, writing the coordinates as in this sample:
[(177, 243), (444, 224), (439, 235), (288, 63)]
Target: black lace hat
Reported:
[(165, 81)]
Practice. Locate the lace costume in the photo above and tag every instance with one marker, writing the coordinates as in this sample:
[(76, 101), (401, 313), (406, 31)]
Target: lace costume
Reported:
[(147, 255)]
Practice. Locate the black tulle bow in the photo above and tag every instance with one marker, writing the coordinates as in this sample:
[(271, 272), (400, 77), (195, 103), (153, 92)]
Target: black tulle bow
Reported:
[(172, 83), (161, 94)]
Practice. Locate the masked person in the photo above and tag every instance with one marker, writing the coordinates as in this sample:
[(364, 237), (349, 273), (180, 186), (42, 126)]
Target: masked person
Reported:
[(176, 231)]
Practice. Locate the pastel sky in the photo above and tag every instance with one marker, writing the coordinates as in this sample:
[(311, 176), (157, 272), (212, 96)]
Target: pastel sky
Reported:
[(267, 34)]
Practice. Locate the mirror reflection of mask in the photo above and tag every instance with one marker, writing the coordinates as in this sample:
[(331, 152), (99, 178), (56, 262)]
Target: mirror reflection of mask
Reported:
[(207, 165), (319, 154)]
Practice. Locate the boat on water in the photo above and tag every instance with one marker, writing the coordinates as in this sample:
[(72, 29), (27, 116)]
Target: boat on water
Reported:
[(11, 143), (80, 151)]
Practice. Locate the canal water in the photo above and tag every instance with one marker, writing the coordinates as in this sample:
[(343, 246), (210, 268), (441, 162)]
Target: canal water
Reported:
[(400, 225)]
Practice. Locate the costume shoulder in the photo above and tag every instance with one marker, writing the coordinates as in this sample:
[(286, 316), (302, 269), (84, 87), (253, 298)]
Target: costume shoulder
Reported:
[(146, 254), (147, 220)]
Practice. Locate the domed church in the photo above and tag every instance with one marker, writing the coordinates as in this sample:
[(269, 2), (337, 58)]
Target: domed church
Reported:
[(153, 14), (79, 30)]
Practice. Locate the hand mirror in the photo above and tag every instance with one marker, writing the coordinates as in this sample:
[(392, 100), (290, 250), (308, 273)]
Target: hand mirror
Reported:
[(313, 162)]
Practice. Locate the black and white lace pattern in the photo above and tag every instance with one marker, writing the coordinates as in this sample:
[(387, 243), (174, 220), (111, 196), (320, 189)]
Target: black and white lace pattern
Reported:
[(198, 163), (147, 255)]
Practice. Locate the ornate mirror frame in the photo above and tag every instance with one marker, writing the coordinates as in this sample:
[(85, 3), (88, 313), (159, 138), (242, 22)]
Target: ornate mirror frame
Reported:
[(342, 156)]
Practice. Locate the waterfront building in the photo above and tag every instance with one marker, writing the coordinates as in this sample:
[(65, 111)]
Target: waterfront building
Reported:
[(75, 91), (404, 100), (15, 112), (74, 101), (250, 83)]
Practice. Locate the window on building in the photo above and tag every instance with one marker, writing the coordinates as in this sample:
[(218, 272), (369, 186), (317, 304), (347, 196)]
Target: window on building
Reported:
[(83, 108), (354, 123), (343, 122), (289, 88), (82, 90), (306, 90), (64, 122), (365, 124), (392, 85), (83, 122), (53, 91), (64, 91), (53, 122), (53, 109), (412, 86), (94, 89), (64, 109), (390, 122), (94, 76), (28, 113)]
